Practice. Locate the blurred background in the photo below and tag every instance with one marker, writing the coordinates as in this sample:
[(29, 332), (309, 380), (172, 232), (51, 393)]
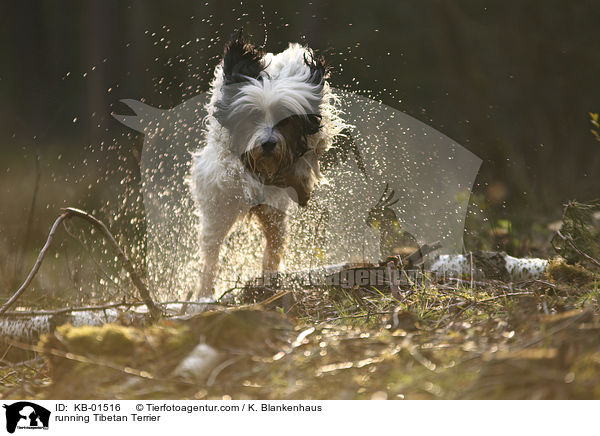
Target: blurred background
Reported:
[(514, 82)]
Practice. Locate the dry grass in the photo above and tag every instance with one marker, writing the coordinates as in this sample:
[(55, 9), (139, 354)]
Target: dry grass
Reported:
[(442, 340)]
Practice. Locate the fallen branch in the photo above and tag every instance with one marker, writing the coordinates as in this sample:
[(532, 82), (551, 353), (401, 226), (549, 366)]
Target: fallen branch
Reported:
[(66, 310), (67, 214), (30, 325), (480, 265)]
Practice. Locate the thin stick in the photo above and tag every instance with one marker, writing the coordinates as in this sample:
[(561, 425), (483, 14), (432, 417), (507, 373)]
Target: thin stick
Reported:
[(269, 300), (361, 315), (570, 241), (64, 310), (137, 281), (37, 264), (27, 314), (490, 283), (69, 213), (471, 268), (485, 300)]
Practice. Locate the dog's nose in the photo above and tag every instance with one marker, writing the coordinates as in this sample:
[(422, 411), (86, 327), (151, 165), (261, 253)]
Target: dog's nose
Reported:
[(269, 146)]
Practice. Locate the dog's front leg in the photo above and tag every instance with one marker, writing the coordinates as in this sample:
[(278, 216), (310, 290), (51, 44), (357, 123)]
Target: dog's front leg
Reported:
[(214, 229), (274, 228)]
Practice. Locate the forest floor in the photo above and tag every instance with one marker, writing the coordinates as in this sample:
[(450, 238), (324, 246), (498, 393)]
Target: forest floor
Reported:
[(436, 339), (539, 339)]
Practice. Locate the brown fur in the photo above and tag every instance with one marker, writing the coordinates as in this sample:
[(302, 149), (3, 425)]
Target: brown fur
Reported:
[(277, 167)]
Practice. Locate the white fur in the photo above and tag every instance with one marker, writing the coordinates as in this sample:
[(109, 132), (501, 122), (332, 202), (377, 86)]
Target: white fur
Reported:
[(222, 187)]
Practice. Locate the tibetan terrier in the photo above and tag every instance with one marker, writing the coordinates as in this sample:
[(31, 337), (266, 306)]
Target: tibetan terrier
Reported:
[(271, 117)]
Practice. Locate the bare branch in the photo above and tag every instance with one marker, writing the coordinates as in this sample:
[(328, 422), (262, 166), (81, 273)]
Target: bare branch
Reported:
[(65, 310), (72, 212), (37, 264), (569, 240)]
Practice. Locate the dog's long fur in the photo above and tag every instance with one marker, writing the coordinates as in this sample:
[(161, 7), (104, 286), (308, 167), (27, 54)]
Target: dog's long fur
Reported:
[(270, 118)]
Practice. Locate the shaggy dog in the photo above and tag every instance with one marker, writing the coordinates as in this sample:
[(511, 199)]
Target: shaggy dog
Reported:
[(270, 119)]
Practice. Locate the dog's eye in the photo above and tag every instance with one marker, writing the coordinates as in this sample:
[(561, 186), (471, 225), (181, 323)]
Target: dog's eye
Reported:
[(284, 122), (302, 147)]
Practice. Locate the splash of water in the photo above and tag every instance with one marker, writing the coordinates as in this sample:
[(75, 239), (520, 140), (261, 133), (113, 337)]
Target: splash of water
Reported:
[(430, 175)]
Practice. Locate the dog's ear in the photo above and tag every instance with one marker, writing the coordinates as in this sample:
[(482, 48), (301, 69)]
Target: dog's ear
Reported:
[(311, 124), (319, 70), (241, 60)]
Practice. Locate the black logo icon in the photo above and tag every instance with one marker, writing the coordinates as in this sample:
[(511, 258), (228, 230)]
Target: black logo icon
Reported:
[(24, 414)]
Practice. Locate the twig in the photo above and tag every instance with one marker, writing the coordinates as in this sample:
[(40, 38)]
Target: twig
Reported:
[(471, 268), (8, 375), (510, 294), (492, 284), (69, 213), (569, 240), (37, 264), (485, 300), (551, 285), (362, 315), (137, 281), (262, 304), (101, 271), (23, 313), (28, 313), (25, 363)]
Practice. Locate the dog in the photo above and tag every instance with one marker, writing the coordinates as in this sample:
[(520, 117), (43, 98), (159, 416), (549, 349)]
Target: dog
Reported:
[(270, 119)]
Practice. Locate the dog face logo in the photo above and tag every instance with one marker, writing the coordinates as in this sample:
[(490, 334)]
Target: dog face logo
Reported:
[(26, 415)]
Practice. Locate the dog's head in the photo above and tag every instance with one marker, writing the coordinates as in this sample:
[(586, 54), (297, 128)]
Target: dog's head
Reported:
[(270, 113)]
